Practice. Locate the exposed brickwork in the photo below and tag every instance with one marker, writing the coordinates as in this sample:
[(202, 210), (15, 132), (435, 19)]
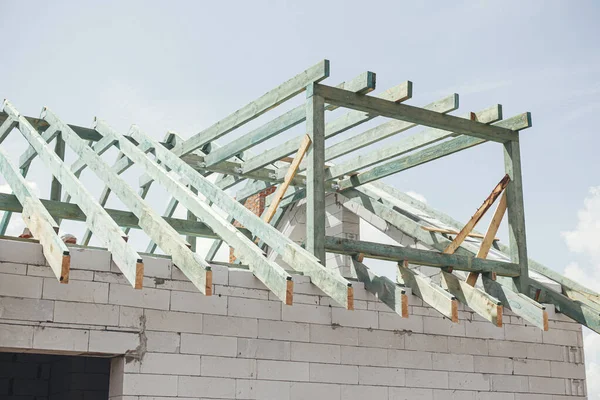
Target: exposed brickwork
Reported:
[(256, 204)]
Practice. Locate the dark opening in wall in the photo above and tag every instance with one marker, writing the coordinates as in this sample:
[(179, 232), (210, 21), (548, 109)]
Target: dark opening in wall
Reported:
[(27, 376)]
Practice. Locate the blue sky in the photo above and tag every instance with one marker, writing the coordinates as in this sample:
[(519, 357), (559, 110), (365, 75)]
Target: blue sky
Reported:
[(184, 65)]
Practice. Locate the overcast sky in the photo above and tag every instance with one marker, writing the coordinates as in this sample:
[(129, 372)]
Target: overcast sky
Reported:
[(183, 65)]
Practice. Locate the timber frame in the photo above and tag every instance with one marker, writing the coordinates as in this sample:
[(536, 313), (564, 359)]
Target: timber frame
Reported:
[(500, 276)]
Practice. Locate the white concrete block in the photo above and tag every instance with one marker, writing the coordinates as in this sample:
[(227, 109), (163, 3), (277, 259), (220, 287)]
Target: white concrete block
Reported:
[(420, 342), (21, 252), (79, 291), (524, 366), (16, 336), (362, 392), (522, 333), (493, 365), (209, 388), (25, 309), (230, 326), (264, 349), (383, 339), (112, 277), (86, 313), (13, 268), (394, 322), (364, 356), (545, 352), (567, 370), (310, 390), (163, 342), (131, 317), (157, 267), (468, 381), (262, 390), (441, 394), (503, 348), (145, 298), (307, 313), (170, 364), (151, 385), (443, 326), (198, 303), (410, 359), (283, 330), (246, 293), (331, 373), (282, 370), (502, 396), (460, 345), (90, 259), (113, 342), (484, 330), (547, 385), (355, 318), (510, 383), (246, 279), (333, 334), (172, 321), (21, 286), (381, 376), (426, 379), (565, 338), (453, 362), (314, 352), (45, 338), (208, 345), (224, 367), (397, 393), (251, 308)]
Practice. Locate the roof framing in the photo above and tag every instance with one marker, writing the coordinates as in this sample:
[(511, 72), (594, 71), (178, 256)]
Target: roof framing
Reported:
[(183, 167)]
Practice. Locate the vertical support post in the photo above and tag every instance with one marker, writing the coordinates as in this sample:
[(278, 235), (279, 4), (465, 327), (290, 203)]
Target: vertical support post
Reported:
[(516, 213), (191, 217), (315, 179), (56, 188)]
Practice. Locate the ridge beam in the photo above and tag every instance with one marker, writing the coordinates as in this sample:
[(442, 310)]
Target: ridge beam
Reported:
[(364, 83), (266, 102), (327, 280), (38, 220), (97, 219), (344, 98)]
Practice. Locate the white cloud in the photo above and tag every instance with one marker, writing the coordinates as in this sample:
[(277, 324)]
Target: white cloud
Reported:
[(417, 196), (584, 240)]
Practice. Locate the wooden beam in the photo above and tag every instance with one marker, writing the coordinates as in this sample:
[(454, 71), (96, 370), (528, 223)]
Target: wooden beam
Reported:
[(454, 232), (488, 240), (351, 119), (430, 292), (55, 186), (389, 293), (38, 220), (271, 274), (290, 174), (40, 125), (327, 280), (363, 83), (97, 219), (418, 256), (426, 155), (315, 179), (344, 98), (258, 107), (169, 211), (6, 127)]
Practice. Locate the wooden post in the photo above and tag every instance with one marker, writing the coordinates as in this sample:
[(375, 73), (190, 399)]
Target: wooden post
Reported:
[(315, 179), (191, 217), (56, 188), (516, 214)]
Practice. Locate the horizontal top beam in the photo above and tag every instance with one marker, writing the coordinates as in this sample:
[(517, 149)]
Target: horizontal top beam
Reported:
[(374, 105)]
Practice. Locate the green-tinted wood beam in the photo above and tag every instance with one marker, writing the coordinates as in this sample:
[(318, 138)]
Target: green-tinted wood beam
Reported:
[(38, 220), (389, 293), (328, 281), (7, 126), (40, 125), (271, 274), (258, 107), (55, 187), (315, 178), (363, 83), (418, 256), (426, 155), (516, 213), (351, 119), (97, 219), (344, 98), (191, 217), (405, 145), (169, 211)]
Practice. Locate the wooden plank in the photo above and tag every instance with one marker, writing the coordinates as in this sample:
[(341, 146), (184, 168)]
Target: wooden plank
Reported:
[(430, 292), (315, 179), (363, 83), (55, 186), (351, 119), (418, 256), (389, 293), (404, 145), (454, 232), (516, 213), (426, 155), (488, 240), (40, 125), (291, 172), (327, 280), (487, 203), (256, 108), (38, 220), (271, 274), (414, 114)]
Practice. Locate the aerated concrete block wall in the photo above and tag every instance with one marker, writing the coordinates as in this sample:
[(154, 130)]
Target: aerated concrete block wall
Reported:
[(169, 341)]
